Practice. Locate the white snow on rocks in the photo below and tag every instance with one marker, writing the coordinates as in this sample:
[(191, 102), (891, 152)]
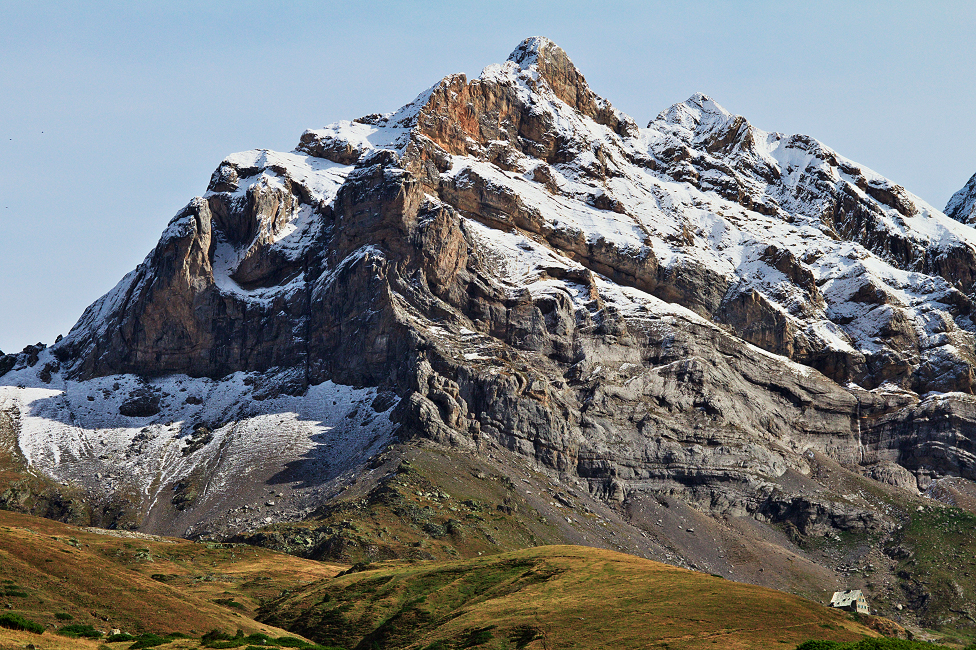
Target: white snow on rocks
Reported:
[(74, 433), (962, 205), (684, 223), (321, 177)]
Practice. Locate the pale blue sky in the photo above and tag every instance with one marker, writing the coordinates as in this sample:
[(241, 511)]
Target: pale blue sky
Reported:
[(114, 114)]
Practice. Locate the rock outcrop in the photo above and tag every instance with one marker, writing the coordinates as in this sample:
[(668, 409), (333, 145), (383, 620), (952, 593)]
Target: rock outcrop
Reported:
[(962, 205)]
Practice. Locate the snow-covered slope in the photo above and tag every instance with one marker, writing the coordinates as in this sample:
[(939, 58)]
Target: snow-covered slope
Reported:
[(183, 456)]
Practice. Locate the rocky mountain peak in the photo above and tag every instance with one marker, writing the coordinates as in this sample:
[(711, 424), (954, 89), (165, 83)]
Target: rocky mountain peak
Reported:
[(697, 308), (531, 50), (706, 125), (275, 228), (693, 112), (552, 64), (962, 205)]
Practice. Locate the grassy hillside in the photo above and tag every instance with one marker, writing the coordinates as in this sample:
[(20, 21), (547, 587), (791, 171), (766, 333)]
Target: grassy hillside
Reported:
[(436, 505), (921, 572), (58, 575), (936, 556), (551, 597)]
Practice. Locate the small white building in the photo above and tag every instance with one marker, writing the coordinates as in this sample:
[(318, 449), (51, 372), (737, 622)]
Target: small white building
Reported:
[(852, 600)]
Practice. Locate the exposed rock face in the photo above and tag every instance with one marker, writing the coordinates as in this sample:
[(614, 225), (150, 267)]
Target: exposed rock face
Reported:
[(962, 205), (693, 308)]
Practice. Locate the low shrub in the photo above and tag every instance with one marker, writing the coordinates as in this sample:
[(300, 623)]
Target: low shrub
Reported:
[(116, 638), (216, 635), (229, 602), (478, 636), (80, 631), (221, 641), (149, 641), (63, 616), (523, 635), (15, 622)]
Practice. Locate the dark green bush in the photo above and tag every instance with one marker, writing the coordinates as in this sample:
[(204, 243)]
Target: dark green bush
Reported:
[(63, 616), (478, 637), (216, 635), (523, 635), (229, 602), (149, 641), (220, 641), (116, 638), (292, 642), (15, 622), (80, 631)]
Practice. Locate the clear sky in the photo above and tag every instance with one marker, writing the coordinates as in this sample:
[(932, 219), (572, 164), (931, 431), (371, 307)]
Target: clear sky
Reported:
[(114, 114)]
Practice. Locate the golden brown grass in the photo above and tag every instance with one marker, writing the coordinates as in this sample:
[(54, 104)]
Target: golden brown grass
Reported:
[(136, 584), (560, 597)]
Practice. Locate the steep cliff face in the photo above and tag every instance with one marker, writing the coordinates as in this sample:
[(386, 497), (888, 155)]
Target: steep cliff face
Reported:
[(696, 308)]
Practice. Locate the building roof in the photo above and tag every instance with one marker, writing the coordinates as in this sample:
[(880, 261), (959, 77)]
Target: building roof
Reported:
[(845, 598)]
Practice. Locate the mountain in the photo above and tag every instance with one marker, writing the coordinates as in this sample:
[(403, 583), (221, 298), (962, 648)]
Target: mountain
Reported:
[(697, 341), (962, 205)]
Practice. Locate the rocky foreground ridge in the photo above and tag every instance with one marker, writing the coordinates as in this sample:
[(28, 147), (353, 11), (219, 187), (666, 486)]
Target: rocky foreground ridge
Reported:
[(696, 311)]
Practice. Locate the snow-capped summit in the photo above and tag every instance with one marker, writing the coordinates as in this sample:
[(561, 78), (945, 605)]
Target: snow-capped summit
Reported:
[(531, 50), (693, 112)]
